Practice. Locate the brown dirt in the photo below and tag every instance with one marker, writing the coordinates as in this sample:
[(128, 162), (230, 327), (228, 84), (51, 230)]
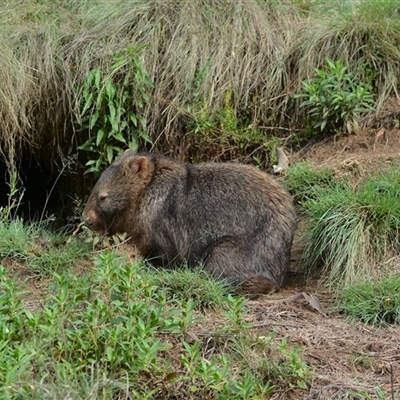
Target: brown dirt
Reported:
[(345, 356)]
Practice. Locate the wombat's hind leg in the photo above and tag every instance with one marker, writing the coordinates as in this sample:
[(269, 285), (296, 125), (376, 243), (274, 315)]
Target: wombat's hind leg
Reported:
[(232, 262)]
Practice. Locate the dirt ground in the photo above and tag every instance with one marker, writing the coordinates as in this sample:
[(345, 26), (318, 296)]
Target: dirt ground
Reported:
[(345, 356)]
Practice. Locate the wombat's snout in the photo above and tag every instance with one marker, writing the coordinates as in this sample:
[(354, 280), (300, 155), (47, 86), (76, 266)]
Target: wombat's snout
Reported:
[(88, 220), (91, 220)]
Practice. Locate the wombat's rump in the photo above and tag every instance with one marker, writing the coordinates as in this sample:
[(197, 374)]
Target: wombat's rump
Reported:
[(234, 219)]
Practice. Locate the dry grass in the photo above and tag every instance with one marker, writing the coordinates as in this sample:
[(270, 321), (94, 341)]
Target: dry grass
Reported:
[(196, 52)]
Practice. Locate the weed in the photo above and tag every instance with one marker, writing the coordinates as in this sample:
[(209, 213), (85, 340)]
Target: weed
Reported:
[(279, 361), (111, 334), (379, 395), (39, 248), (227, 135), (111, 109), (236, 313), (360, 360), (14, 198), (335, 98), (195, 284), (293, 368)]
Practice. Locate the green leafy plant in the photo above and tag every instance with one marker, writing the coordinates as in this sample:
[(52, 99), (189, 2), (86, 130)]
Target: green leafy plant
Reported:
[(111, 107), (335, 98), (236, 313), (294, 368), (379, 394), (114, 333), (287, 367), (14, 197), (228, 135), (372, 302)]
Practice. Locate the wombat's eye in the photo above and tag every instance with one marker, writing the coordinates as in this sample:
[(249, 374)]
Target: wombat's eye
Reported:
[(103, 196)]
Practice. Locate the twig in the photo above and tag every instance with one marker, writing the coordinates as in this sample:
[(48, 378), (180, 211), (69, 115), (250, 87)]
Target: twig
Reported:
[(391, 381), (272, 324)]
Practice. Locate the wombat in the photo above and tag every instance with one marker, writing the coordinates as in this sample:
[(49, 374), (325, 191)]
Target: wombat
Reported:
[(235, 220)]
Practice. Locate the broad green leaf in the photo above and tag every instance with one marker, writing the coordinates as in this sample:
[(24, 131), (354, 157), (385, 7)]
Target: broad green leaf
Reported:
[(110, 89), (110, 155), (112, 116), (91, 162), (146, 137), (118, 136), (133, 118), (99, 137), (93, 119), (97, 78), (88, 103)]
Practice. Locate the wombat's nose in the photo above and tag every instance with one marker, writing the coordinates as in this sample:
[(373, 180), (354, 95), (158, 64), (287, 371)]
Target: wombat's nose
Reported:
[(88, 223), (93, 222), (87, 220)]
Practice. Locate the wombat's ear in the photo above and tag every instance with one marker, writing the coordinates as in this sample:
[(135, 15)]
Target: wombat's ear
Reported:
[(139, 165)]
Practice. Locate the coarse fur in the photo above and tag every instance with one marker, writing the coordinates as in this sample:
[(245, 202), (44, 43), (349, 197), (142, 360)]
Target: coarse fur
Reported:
[(236, 220)]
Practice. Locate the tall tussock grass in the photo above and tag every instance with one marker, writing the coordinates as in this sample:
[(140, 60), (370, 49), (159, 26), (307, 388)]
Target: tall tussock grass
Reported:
[(354, 231), (195, 53)]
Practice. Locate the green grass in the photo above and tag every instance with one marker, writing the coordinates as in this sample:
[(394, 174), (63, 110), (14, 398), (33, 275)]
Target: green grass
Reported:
[(195, 285), (42, 250), (118, 330), (353, 231), (373, 302), (303, 180)]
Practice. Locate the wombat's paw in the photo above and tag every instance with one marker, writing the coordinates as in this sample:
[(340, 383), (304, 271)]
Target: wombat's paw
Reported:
[(256, 285)]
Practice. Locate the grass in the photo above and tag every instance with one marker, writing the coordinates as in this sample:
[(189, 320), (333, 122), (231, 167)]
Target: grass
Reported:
[(195, 285), (373, 302), (303, 181), (195, 54), (40, 249), (353, 231), (126, 330), (224, 74)]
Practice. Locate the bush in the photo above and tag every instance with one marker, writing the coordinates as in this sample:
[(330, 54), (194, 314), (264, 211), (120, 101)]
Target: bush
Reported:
[(115, 334), (111, 107)]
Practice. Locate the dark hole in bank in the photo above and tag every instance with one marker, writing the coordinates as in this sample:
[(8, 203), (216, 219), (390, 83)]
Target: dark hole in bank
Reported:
[(37, 197)]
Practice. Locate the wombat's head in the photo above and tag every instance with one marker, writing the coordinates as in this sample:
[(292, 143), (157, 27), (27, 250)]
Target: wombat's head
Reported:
[(115, 196)]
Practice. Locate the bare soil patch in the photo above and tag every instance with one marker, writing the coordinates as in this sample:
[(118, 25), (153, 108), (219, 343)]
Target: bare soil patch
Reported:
[(345, 356)]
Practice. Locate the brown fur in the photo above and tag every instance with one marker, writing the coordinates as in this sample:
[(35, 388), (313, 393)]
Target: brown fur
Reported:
[(234, 219)]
